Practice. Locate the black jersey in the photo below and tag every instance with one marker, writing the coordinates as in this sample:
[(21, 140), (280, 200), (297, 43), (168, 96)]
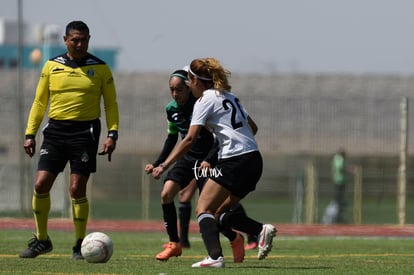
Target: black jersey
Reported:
[(179, 118)]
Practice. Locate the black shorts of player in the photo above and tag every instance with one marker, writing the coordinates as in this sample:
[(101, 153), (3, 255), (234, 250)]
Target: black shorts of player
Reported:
[(73, 141), (182, 172), (239, 174)]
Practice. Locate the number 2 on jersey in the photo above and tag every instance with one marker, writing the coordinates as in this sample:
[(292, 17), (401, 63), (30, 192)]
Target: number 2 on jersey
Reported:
[(226, 105)]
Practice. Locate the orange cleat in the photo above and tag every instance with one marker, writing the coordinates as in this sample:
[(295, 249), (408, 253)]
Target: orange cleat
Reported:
[(250, 246), (172, 250), (237, 245), (183, 245)]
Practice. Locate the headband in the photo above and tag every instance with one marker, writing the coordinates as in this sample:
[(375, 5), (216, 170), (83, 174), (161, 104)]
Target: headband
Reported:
[(200, 77), (179, 75)]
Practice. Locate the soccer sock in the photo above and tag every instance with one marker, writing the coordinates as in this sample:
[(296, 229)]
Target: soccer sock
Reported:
[(80, 213), (184, 212), (241, 222), (210, 234), (41, 208), (238, 208), (251, 238), (170, 221), (226, 230), (229, 234)]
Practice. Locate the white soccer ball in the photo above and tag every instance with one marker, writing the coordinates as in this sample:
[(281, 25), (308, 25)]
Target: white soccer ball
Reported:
[(97, 247)]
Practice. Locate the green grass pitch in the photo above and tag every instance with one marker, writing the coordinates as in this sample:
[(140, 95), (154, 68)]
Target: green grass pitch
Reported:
[(134, 253)]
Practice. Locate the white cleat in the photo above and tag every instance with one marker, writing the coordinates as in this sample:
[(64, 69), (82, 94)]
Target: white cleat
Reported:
[(265, 240), (209, 262)]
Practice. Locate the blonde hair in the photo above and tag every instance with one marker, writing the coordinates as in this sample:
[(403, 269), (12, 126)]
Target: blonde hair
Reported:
[(209, 70)]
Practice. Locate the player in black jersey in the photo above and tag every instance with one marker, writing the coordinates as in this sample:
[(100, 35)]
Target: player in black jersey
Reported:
[(181, 177)]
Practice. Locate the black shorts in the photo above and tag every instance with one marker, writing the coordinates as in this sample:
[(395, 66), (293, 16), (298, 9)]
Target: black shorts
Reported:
[(73, 141), (182, 172), (239, 174)]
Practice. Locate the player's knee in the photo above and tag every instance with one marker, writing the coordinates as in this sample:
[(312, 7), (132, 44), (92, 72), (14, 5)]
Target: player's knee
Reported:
[(184, 197), (39, 188), (167, 197), (77, 191)]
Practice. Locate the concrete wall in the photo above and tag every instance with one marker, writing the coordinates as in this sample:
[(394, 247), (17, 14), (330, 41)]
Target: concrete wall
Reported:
[(295, 113), (300, 118)]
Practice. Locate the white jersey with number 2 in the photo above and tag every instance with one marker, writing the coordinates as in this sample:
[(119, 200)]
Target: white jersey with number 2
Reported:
[(223, 114)]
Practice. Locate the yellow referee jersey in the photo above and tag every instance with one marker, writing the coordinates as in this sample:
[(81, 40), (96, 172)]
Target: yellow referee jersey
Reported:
[(73, 91)]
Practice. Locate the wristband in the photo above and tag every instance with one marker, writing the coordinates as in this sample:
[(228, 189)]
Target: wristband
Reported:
[(113, 134), (29, 137)]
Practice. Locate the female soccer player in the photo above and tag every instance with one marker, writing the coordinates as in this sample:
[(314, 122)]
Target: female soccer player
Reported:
[(240, 163), (180, 178)]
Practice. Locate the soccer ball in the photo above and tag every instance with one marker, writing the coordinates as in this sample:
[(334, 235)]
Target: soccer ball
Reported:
[(97, 247)]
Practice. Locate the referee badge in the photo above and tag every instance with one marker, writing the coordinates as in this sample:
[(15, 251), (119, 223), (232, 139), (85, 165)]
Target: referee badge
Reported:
[(85, 157), (91, 72)]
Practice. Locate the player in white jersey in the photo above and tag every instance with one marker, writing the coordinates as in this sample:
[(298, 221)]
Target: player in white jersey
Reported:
[(240, 163), (222, 113)]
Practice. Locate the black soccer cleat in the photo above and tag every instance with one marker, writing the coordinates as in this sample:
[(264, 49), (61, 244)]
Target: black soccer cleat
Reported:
[(36, 247), (77, 254)]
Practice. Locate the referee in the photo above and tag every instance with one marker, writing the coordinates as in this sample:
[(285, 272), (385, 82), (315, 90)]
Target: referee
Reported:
[(71, 85)]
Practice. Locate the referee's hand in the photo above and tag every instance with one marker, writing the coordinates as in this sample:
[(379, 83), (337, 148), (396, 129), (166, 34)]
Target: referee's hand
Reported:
[(108, 148), (29, 146)]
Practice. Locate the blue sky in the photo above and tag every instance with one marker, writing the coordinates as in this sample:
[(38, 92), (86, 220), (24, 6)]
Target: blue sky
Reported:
[(264, 36)]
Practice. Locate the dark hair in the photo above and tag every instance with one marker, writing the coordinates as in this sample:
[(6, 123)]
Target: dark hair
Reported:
[(77, 25), (181, 74)]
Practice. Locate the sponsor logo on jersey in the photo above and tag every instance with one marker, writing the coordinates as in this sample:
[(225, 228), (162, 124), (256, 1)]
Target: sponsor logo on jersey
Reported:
[(174, 116), (60, 59)]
